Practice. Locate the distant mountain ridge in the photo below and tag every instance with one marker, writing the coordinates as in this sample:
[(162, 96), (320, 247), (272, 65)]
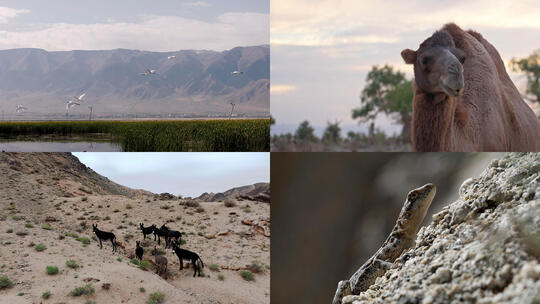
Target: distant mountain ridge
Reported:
[(249, 191), (195, 82)]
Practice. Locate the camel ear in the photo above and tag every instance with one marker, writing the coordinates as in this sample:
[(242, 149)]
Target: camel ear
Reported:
[(409, 56)]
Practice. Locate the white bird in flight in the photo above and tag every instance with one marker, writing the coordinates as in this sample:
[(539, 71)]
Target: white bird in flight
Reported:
[(171, 57), (234, 73), (79, 99), (148, 72), (21, 108), (70, 104)]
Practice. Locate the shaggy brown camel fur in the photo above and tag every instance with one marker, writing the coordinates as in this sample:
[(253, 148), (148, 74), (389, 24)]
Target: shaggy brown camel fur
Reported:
[(464, 99)]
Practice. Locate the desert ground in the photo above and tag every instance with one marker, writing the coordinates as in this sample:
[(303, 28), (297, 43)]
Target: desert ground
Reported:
[(50, 201)]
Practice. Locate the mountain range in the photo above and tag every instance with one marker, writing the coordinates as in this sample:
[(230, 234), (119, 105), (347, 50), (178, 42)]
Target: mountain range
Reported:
[(193, 83), (258, 191)]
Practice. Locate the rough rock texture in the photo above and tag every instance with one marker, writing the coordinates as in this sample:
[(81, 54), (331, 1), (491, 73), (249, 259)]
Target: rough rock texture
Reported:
[(483, 248)]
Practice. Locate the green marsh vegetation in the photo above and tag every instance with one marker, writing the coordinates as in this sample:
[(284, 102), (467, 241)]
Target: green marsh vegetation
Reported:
[(186, 135)]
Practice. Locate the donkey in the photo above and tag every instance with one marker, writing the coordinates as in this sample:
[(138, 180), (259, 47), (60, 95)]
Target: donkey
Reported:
[(188, 256), (161, 262), (160, 232), (170, 235), (139, 251), (147, 230), (104, 235)]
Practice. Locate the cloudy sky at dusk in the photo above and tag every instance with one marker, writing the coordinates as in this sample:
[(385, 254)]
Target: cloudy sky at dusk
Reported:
[(322, 49), (164, 25)]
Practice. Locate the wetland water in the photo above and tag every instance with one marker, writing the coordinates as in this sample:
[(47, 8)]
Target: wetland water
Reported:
[(59, 144)]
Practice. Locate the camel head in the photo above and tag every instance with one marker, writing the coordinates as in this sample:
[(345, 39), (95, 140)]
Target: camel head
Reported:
[(438, 65)]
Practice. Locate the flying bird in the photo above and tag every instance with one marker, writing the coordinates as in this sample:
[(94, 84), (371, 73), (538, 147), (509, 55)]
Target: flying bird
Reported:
[(80, 98), (236, 73), (70, 104), (148, 72), (21, 108), (171, 57)]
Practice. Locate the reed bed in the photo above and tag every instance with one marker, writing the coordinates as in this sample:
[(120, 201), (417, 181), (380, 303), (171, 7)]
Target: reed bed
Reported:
[(148, 136)]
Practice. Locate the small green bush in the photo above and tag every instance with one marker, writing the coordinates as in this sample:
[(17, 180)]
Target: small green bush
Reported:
[(20, 294), (119, 259), (84, 240), (29, 225), (156, 298), (72, 264), (142, 289), (247, 275), (145, 265), (40, 247), (10, 230), (135, 261), (221, 277), (83, 290), (46, 295), (5, 282), (51, 270), (213, 267), (47, 226), (256, 266)]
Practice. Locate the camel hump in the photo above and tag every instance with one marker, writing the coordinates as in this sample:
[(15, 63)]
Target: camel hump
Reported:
[(458, 35), (476, 35)]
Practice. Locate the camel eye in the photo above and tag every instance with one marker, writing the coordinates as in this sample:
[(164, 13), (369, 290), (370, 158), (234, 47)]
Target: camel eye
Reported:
[(425, 60)]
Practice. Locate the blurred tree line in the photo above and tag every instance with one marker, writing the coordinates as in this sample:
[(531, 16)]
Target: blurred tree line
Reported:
[(531, 67)]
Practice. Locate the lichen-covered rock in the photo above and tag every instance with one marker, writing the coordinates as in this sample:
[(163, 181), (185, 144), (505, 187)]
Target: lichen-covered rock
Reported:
[(483, 248)]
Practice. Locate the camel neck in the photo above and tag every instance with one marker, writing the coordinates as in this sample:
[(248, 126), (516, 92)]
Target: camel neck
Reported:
[(433, 116)]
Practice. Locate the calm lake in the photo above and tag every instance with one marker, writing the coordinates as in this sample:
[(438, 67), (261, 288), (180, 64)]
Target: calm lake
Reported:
[(58, 144)]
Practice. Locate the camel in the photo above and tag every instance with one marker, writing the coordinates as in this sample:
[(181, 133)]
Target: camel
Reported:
[(464, 99)]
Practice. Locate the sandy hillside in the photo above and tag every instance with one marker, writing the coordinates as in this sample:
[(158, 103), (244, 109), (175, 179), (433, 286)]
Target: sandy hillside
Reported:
[(44, 200)]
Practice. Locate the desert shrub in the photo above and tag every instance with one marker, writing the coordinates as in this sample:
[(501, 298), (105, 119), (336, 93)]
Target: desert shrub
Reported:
[(72, 264), (145, 265), (46, 295), (230, 203), (221, 277), (119, 259), (10, 230), (247, 275), (21, 233), (5, 282), (40, 247), (192, 203), (142, 289), (90, 302), (83, 290), (129, 206), (83, 240), (135, 261), (47, 226), (200, 209), (213, 267), (29, 225), (51, 270), (156, 298), (256, 266)]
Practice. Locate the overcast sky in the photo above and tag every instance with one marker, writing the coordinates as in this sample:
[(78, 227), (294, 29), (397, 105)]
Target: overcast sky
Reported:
[(189, 174), (322, 49), (160, 25)]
